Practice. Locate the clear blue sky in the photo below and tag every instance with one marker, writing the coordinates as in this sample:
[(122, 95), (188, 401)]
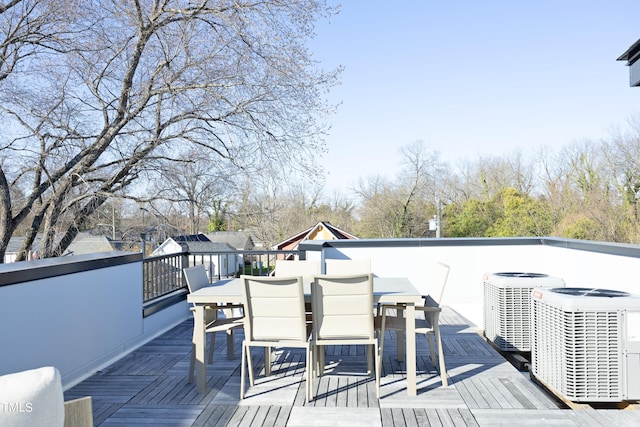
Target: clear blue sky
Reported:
[(473, 78)]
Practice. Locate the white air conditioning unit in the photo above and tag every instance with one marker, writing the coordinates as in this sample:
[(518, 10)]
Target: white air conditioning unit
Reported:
[(507, 307), (586, 343)]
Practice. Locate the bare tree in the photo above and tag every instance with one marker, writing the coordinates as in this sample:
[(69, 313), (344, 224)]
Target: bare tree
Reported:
[(275, 208), (29, 28), (418, 179), (402, 207), (260, 209), (142, 79), (196, 184), (485, 177)]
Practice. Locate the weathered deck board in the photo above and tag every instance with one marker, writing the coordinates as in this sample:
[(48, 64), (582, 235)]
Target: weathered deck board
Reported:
[(149, 386)]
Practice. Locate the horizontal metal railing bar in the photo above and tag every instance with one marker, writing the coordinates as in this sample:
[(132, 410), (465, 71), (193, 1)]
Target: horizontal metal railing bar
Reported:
[(163, 273)]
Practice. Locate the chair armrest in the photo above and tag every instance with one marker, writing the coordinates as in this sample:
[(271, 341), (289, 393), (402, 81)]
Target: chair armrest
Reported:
[(404, 307), (206, 307), (229, 305), (78, 412), (432, 313), (383, 306), (428, 309), (220, 307)]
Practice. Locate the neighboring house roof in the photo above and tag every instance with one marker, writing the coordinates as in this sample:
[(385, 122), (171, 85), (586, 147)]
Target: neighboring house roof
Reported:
[(216, 247), (85, 243), (169, 246), (320, 231), (15, 245), (191, 243), (239, 240), (632, 54), (191, 238)]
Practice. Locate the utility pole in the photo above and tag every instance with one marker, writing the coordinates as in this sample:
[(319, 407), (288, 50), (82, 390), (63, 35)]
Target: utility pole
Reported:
[(113, 221), (434, 223), (438, 218)]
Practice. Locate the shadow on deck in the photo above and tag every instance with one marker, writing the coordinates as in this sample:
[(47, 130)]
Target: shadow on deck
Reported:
[(149, 386)]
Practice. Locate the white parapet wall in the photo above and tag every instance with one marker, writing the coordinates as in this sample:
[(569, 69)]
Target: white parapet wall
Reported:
[(578, 263), (82, 313), (78, 314)]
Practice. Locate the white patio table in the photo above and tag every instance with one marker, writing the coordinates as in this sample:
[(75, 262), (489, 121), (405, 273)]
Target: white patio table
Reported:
[(385, 290)]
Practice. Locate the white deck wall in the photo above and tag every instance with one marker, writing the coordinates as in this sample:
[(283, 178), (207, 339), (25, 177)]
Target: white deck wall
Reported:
[(464, 291), (82, 322), (77, 322)]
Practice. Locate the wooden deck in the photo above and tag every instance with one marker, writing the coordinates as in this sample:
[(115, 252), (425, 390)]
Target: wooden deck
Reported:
[(149, 387)]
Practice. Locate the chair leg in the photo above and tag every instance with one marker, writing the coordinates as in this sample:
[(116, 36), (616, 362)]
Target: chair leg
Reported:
[(230, 344), (381, 339), (242, 370), (309, 376), (212, 345), (267, 361), (400, 337), (316, 360), (400, 345), (377, 369), (380, 352), (320, 359), (443, 369), (250, 366), (431, 348), (192, 363)]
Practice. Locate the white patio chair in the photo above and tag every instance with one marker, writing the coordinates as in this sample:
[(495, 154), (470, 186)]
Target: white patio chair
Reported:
[(437, 277), (304, 268), (292, 268), (343, 315), (40, 399), (196, 278), (274, 317), (336, 267), (346, 267)]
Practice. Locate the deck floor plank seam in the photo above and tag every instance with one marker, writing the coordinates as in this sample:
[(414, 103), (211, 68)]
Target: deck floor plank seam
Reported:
[(541, 400), (397, 417), (386, 417), (470, 394), (239, 415), (477, 399), (491, 394), (215, 416), (443, 417), (468, 418), (516, 392), (503, 395), (433, 417), (410, 417), (421, 417)]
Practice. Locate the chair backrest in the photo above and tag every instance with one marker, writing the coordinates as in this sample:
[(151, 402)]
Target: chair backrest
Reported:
[(436, 276), (292, 268), (347, 266), (196, 277), (342, 306), (274, 308)]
